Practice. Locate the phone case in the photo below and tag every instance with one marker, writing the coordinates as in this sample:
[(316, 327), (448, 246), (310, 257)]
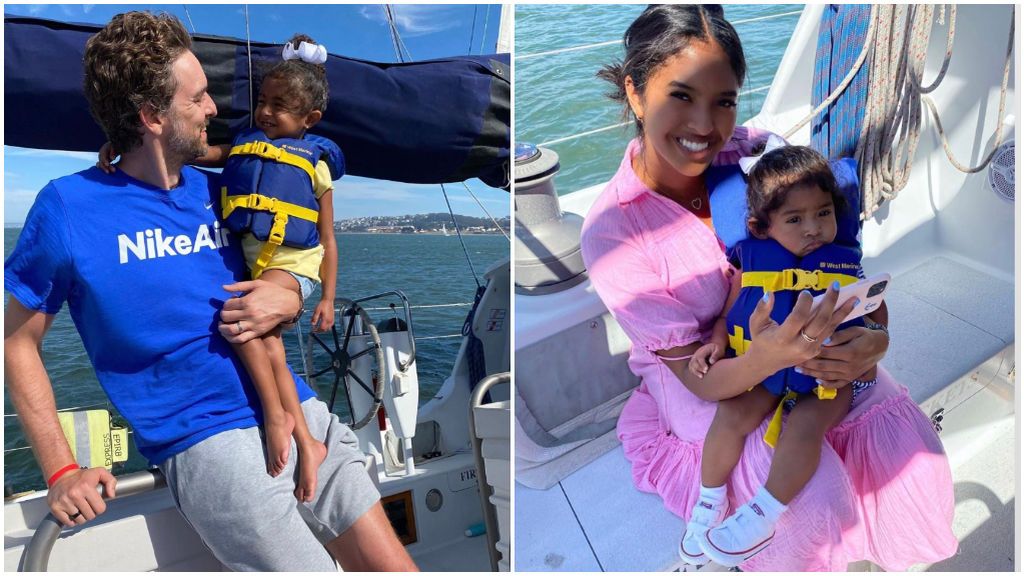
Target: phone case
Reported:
[(871, 292)]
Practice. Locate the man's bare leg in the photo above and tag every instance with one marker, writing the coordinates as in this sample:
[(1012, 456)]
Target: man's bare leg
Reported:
[(371, 545)]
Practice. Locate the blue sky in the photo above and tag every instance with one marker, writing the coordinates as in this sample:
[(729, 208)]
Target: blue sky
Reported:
[(357, 31)]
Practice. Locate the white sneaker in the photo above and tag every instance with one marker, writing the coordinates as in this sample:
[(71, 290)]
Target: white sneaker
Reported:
[(706, 514), (739, 538)]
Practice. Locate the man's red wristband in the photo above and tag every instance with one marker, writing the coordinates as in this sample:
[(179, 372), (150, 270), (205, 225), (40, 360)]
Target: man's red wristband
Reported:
[(56, 475)]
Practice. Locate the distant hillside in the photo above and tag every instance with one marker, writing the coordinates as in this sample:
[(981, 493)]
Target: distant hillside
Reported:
[(437, 222)]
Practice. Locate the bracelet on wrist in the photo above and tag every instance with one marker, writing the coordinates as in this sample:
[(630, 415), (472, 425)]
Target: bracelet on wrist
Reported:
[(57, 475), (877, 326)]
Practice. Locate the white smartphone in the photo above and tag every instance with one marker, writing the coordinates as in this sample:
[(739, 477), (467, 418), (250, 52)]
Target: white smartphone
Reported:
[(871, 292)]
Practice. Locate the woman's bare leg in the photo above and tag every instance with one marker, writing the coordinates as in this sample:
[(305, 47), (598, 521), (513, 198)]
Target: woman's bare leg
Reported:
[(799, 449)]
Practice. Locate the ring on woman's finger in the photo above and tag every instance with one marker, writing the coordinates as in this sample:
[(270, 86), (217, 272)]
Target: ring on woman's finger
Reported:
[(75, 515), (239, 325), (808, 338)]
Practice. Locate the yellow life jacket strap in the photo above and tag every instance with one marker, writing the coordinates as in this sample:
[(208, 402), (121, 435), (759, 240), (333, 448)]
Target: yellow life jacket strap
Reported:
[(270, 152), (281, 211), (93, 441), (771, 435), (265, 203), (794, 279)]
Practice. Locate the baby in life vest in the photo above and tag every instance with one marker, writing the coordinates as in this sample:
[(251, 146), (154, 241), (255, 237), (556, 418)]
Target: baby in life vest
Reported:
[(276, 194), (792, 198)]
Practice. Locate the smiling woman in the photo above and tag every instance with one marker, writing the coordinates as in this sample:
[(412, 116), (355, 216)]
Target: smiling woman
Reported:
[(658, 256)]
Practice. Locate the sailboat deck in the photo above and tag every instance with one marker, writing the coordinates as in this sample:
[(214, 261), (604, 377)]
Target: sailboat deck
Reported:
[(952, 345)]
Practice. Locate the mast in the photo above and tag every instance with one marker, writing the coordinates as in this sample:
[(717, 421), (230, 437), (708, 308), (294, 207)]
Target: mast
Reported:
[(504, 44)]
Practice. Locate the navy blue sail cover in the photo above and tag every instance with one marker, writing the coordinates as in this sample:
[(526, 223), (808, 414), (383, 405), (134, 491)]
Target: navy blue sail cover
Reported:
[(426, 122)]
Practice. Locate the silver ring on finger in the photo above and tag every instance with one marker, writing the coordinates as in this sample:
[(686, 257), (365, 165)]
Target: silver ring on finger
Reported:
[(239, 325), (807, 338), (75, 515)]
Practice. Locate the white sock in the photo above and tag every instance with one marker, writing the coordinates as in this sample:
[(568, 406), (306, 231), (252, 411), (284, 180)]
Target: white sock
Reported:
[(714, 496), (769, 507)]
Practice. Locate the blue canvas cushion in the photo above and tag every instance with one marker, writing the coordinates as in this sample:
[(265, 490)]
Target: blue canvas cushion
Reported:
[(728, 196)]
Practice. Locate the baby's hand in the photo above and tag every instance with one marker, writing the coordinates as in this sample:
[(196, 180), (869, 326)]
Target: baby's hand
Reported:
[(107, 155), (323, 316), (704, 357)]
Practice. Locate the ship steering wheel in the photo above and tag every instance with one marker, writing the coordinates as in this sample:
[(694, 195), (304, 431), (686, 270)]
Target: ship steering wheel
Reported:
[(341, 356)]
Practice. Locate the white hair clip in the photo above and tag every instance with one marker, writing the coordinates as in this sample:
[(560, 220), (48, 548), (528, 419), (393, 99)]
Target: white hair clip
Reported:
[(747, 162), (311, 53)]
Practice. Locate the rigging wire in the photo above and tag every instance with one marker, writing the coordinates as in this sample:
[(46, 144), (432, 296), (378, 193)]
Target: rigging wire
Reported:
[(483, 37), (248, 54), (629, 123), (612, 42), (396, 38), (461, 240), (481, 205), (189, 17), (391, 30), (472, 29)]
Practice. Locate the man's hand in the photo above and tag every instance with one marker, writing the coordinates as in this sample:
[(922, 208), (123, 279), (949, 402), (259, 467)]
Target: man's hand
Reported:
[(704, 357), (73, 498), (261, 306)]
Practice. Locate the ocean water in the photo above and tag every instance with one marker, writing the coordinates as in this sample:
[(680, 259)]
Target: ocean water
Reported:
[(429, 269), (558, 95)]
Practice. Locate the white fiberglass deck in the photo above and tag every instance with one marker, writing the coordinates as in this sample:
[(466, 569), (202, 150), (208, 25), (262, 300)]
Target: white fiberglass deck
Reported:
[(952, 345)]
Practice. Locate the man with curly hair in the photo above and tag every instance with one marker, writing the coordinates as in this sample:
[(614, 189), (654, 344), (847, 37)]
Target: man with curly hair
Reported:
[(136, 255)]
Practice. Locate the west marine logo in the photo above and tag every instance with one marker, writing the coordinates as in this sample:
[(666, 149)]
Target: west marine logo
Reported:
[(153, 243)]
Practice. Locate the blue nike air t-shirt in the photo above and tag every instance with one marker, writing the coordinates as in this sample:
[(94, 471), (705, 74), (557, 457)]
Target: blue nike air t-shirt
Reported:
[(142, 271)]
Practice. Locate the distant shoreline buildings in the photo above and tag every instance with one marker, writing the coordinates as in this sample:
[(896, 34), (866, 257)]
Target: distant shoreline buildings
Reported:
[(432, 223)]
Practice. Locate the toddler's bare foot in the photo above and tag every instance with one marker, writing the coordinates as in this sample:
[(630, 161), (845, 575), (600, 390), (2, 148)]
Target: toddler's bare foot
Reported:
[(311, 456), (278, 432)]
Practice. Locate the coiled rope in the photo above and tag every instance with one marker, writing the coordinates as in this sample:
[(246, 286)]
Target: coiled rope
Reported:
[(897, 44)]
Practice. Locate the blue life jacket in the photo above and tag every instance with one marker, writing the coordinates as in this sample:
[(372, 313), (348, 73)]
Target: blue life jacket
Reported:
[(767, 265), (268, 189), (728, 199)]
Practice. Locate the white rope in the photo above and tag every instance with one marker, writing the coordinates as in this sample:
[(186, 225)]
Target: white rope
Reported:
[(438, 337), (891, 128), (621, 124), (897, 43), (613, 42), (997, 136), (846, 81), (480, 204)]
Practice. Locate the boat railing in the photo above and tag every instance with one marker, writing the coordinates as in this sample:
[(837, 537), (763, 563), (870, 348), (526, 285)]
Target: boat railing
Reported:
[(561, 139), (490, 516), (36, 557), (613, 42)]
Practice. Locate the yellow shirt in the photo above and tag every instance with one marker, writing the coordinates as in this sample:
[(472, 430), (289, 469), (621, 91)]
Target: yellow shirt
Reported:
[(301, 261)]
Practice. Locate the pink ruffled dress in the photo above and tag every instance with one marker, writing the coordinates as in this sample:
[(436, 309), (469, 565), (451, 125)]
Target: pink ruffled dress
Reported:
[(883, 490)]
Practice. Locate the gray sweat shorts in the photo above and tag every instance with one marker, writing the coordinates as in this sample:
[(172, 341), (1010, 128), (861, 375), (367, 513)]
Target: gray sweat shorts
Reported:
[(252, 522)]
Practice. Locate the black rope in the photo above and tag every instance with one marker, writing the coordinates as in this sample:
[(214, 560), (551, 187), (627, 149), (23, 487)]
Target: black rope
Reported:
[(475, 359)]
